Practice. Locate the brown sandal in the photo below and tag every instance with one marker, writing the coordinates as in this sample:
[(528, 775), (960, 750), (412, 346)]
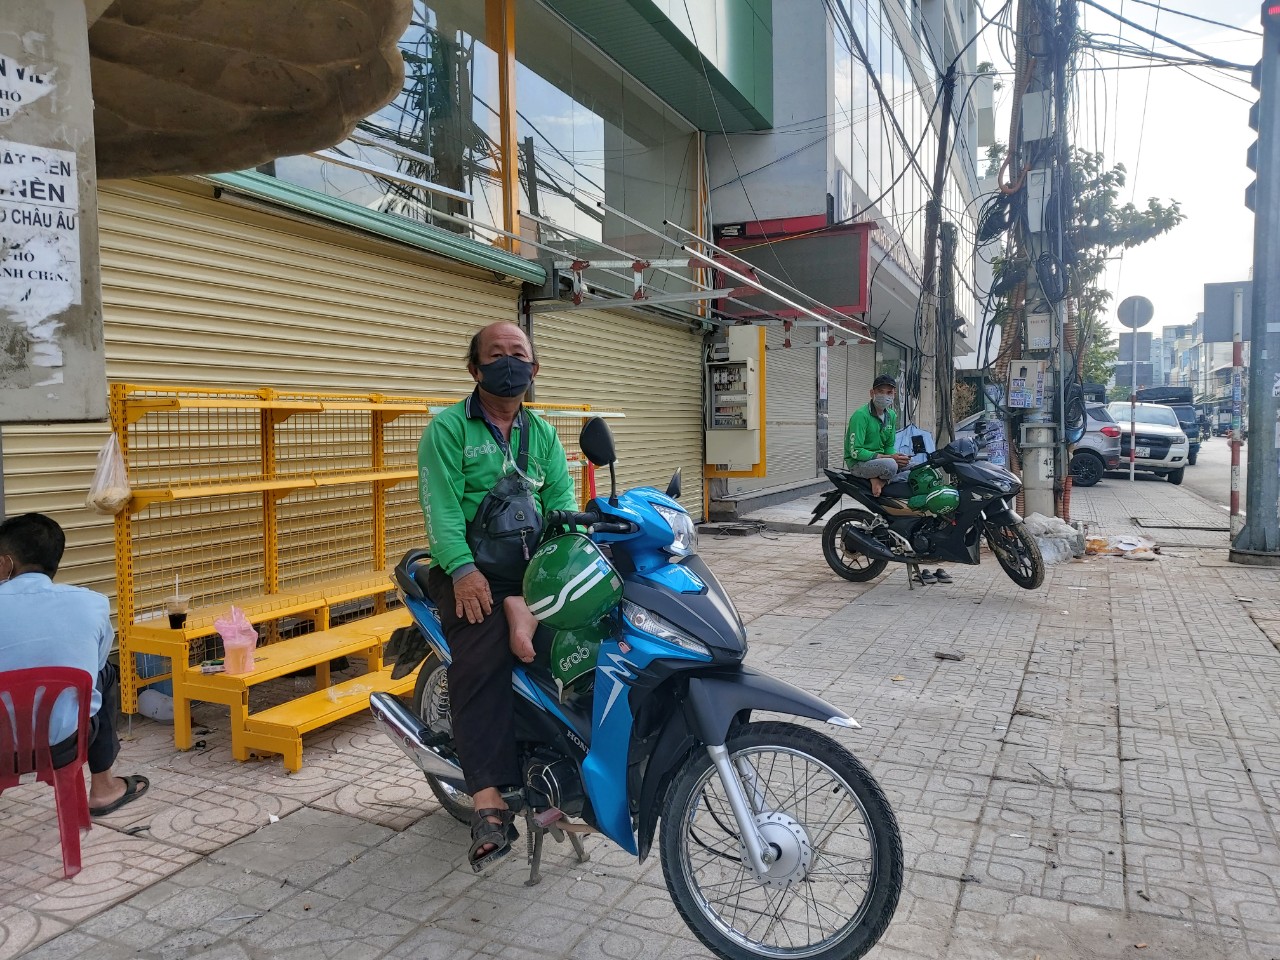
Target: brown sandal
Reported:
[(484, 832)]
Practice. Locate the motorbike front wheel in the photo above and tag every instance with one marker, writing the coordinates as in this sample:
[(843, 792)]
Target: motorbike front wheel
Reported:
[(1018, 553), (834, 885), (842, 555), (431, 705)]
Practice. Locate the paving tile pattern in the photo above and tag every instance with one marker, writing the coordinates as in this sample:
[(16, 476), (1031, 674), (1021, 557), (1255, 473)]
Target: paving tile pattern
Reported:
[(1101, 770)]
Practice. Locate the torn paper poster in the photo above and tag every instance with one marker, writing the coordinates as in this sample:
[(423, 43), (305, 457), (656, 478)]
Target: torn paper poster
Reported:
[(20, 86), (39, 260)]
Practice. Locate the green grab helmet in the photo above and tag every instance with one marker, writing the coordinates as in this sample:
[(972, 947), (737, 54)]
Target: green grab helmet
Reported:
[(573, 656), (939, 502), (923, 479), (569, 584)]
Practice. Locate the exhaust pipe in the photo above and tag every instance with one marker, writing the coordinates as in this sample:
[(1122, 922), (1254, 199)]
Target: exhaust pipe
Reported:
[(870, 546), (410, 735)]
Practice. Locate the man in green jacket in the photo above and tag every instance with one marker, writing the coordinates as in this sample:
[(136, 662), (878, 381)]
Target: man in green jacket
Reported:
[(465, 452), (870, 442)]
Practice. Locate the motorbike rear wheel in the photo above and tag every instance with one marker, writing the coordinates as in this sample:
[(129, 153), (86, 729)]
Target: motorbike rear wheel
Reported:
[(834, 886), (1018, 553), (845, 560), (431, 705)]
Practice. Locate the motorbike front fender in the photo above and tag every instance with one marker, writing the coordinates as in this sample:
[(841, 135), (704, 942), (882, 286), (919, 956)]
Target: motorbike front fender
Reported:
[(716, 699), (713, 701), (1001, 512)]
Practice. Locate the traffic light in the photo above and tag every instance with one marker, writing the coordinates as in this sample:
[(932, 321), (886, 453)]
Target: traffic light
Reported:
[(1262, 115)]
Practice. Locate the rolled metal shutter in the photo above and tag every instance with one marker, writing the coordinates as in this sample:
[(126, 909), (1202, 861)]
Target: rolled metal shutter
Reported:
[(791, 417), (650, 371), (837, 403), (196, 290), (859, 373)]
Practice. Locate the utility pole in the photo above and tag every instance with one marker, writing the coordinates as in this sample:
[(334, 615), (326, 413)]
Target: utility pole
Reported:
[(945, 366), (1037, 155), (1237, 361), (932, 219), (1259, 541)]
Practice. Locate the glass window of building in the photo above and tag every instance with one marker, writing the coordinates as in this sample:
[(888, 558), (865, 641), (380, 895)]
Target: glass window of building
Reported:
[(443, 129), (590, 133), (586, 132)]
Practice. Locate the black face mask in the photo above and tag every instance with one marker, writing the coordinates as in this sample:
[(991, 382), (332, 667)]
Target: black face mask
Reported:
[(506, 376)]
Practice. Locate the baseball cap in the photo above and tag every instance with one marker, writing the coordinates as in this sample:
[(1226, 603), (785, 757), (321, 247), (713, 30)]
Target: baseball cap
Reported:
[(884, 380)]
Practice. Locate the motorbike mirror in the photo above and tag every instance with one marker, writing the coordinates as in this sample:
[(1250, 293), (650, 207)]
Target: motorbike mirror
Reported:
[(596, 442), (673, 488)]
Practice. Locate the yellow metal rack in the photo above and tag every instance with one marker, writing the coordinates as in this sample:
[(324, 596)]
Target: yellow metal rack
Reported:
[(293, 507)]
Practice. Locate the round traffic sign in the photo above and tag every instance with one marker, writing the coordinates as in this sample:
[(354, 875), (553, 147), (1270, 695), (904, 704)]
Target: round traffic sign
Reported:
[(1135, 312)]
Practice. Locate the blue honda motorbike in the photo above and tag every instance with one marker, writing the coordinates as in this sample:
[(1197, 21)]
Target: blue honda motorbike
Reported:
[(775, 841)]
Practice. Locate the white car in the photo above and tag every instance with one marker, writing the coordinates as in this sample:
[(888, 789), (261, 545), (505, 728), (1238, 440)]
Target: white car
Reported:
[(1160, 445)]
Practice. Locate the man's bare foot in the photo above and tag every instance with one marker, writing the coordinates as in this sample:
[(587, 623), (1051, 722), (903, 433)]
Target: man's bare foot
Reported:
[(522, 625), (876, 486)]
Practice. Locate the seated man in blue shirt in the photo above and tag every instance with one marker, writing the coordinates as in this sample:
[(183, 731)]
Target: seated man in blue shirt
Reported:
[(43, 624)]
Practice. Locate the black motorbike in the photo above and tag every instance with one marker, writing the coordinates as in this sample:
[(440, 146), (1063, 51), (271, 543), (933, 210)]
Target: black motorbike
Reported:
[(858, 543)]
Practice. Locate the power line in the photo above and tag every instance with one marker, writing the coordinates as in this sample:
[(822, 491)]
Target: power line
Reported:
[(1192, 16), (1216, 61)]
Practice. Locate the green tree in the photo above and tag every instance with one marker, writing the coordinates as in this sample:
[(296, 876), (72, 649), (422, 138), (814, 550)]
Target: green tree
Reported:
[(1100, 225), (1098, 359)]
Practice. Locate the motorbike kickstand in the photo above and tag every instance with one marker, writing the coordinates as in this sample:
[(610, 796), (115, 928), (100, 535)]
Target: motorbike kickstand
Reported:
[(913, 573), (533, 839), (579, 850)]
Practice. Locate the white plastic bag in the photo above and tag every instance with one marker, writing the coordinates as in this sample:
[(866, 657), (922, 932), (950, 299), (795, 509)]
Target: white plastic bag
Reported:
[(109, 492)]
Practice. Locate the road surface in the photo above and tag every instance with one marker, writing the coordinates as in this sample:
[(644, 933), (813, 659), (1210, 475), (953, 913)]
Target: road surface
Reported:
[(1210, 477)]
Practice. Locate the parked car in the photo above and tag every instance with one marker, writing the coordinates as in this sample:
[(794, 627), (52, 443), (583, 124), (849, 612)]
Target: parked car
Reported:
[(1097, 451), (1178, 399), (1160, 446)]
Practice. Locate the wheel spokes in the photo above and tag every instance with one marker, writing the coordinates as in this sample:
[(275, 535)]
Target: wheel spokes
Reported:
[(813, 905)]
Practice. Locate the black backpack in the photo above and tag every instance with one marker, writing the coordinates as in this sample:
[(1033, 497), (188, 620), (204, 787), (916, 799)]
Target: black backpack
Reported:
[(506, 529)]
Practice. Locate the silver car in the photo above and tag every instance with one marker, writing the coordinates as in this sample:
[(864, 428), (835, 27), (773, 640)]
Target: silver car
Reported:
[(1097, 451), (1160, 445)]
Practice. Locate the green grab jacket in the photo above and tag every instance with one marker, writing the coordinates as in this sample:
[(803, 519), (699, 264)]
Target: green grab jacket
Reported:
[(866, 437), (459, 461)]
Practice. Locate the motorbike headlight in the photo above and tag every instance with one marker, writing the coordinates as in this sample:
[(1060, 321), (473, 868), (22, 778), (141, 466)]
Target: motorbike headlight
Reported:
[(649, 622), (685, 534)]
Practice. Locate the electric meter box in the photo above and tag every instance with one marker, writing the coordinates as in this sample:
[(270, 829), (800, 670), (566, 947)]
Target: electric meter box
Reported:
[(1039, 331), (1026, 384), (735, 401)]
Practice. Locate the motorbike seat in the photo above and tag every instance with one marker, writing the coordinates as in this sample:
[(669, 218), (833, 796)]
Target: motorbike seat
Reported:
[(898, 489), (411, 573)]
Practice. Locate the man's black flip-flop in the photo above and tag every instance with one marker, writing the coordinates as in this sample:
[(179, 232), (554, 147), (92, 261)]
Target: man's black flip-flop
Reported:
[(135, 786)]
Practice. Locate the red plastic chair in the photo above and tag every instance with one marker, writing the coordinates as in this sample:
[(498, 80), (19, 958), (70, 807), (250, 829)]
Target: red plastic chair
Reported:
[(24, 749)]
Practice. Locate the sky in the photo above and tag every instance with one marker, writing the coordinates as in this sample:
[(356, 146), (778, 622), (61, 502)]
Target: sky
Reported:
[(1188, 144)]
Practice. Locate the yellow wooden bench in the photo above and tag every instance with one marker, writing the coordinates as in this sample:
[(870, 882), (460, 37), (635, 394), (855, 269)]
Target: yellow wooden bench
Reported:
[(280, 729)]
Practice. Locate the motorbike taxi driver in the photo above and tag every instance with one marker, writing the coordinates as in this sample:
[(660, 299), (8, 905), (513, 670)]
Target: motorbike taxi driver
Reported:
[(870, 442), (488, 470)]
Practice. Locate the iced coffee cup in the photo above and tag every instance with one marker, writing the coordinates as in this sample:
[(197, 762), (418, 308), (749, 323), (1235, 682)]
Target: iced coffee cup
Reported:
[(176, 607)]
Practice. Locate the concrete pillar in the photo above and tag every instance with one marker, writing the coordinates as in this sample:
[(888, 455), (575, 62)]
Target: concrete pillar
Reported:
[(51, 348)]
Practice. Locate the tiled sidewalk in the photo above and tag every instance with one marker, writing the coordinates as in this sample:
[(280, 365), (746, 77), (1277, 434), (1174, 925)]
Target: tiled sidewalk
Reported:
[(1100, 771)]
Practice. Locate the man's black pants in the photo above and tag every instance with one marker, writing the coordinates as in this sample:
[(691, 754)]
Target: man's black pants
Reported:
[(481, 701), (104, 744)]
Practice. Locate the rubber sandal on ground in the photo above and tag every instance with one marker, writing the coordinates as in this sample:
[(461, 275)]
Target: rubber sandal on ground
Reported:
[(135, 786), (484, 832)]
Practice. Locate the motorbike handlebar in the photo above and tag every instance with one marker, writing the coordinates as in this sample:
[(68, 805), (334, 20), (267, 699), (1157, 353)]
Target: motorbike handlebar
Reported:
[(571, 518), (590, 519)]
